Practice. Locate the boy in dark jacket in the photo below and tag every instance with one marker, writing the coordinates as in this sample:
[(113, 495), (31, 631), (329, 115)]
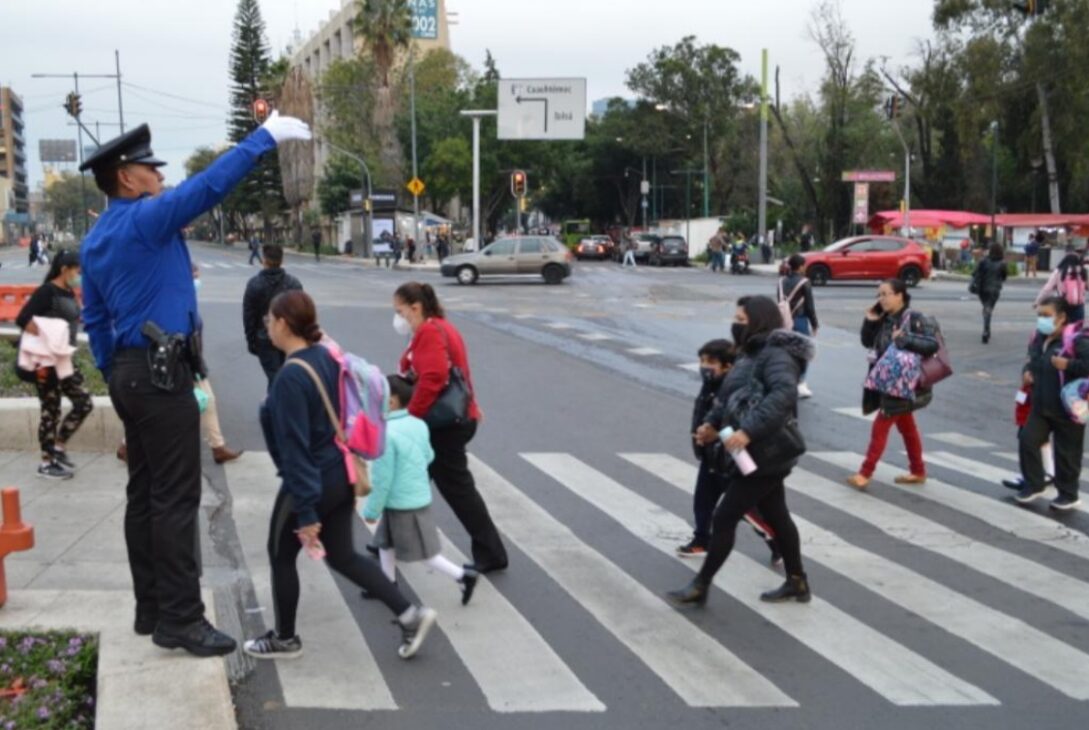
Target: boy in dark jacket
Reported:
[(716, 359), (260, 291)]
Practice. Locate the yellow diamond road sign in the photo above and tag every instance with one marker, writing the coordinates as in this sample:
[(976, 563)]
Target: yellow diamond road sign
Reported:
[(416, 186)]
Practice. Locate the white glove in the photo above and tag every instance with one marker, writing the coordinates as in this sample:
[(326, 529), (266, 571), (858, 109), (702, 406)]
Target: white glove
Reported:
[(283, 129)]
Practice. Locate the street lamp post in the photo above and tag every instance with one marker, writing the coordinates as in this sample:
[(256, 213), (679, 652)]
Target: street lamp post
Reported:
[(368, 212), (476, 115), (762, 221), (994, 178), (688, 173), (706, 174)]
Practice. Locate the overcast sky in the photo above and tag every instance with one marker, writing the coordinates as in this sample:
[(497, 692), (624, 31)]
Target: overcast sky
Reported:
[(182, 48)]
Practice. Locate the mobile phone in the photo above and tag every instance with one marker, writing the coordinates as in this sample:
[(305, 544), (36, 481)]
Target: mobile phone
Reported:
[(876, 308)]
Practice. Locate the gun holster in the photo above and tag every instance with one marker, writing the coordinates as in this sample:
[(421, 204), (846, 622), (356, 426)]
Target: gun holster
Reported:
[(164, 356)]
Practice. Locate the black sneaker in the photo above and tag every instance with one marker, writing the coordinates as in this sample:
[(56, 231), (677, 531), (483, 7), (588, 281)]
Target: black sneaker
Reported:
[(1028, 495), (468, 585), (691, 549), (271, 646), (1019, 483), (61, 458), (414, 633), (199, 638), (1065, 503), (144, 625), (54, 471)]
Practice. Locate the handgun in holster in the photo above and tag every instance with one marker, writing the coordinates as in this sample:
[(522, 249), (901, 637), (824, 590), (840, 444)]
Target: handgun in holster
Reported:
[(163, 356)]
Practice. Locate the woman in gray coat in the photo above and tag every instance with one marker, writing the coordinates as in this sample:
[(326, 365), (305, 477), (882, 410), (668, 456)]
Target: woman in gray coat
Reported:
[(987, 281)]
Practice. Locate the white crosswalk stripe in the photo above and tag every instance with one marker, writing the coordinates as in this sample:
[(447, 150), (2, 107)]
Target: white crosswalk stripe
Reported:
[(960, 439), (1021, 523), (526, 675), (692, 664), (1005, 637), (888, 668), (972, 468)]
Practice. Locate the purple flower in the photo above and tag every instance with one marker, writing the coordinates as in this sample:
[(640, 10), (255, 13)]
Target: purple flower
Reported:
[(3, 642), (5, 668), (75, 641), (56, 666), (9, 725), (43, 713), (36, 683), (26, 645)]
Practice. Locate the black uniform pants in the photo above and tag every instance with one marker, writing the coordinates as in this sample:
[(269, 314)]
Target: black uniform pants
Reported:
[(450, 471), (336, 512), (271, 360), (1069, 440), (162, 433), (743, 494)]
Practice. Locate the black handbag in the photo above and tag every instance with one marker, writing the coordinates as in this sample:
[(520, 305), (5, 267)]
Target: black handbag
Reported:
[(451, 408)]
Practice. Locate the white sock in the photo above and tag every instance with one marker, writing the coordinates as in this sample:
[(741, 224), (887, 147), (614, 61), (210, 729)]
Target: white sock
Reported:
[(443, 565), (388, 559), (409, 616), (1048, 455)]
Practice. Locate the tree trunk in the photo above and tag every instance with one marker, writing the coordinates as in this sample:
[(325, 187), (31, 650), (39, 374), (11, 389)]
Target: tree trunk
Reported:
[(1049, 150)]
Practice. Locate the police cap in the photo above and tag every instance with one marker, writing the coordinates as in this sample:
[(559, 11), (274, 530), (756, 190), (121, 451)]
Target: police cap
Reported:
[(132, 147)]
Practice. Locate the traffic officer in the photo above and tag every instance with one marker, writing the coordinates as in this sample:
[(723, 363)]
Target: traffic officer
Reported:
[(140, 313)]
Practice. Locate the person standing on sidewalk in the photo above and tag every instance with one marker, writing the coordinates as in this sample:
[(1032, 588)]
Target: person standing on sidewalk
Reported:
[(797, 291), (56, 299), (1056, 355), (987, 281), (315, 241), (140, 312), (435, 352), (315, 505), (716, 248), (892, 322), (1032, 253), (260, 291), (209, 417)]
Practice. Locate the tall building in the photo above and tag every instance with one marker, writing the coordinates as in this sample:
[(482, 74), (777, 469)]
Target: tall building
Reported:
[(13, 151), (336, 40)]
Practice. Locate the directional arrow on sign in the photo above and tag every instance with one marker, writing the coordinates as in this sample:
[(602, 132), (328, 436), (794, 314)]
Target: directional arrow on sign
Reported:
[(525, 99)]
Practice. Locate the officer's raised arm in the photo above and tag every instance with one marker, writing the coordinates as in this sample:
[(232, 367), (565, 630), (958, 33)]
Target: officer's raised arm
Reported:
[(160, 216)]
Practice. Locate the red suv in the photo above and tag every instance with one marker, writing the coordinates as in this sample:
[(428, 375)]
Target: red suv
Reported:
[(869, 257)]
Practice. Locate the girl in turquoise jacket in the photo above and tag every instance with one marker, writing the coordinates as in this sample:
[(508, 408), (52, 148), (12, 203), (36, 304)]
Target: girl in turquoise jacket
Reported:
[(401, 496)]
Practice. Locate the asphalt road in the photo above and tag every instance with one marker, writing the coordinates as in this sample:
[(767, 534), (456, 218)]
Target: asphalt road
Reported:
[(944, 606)]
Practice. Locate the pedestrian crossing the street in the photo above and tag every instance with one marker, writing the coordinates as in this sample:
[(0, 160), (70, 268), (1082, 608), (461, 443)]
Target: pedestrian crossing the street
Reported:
[(875, 637)]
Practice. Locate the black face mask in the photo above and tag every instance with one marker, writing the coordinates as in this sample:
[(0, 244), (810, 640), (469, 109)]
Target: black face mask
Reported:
[(709, 375), (739, 332)]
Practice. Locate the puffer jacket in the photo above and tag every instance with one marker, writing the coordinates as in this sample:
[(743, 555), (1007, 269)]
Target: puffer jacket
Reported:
[(769, 364), (989, 276), (920, 338), (399, 477), (260, 291), (712, 454)]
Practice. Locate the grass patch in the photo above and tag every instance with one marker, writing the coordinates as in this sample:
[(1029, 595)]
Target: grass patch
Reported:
[(12, 387), (47, 679)]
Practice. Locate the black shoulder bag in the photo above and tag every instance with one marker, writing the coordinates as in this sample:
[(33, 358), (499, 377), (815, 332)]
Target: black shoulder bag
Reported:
[(451, 408), (786, 444)]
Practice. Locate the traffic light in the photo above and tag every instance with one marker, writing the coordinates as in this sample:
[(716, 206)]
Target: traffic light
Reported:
[(73, 105), (261, 110), (518, 183), (894, 105)]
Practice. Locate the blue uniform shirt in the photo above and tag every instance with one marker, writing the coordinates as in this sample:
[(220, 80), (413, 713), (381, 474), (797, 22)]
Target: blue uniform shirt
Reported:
[(135, 263)]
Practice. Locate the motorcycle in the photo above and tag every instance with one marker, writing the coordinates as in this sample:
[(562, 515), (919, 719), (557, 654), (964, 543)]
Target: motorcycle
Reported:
[(739, 261)]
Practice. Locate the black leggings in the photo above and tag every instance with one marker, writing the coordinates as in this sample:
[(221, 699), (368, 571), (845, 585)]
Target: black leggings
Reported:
[(335, 510), (743, 494)]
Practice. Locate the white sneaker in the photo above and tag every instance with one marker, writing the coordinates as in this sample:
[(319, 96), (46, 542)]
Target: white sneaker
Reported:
[(804, 391)]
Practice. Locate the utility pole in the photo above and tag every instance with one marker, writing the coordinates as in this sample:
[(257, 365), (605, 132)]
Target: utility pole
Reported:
[(368, 213), (688, 173), (120, 106), (994, 179), (706, 173), (476, 115), (907, 179), (654, 189), (644, 188), (412, 104), (762, 220)]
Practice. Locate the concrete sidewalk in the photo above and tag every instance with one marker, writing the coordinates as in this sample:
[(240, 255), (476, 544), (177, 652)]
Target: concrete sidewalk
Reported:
[(77, 576)]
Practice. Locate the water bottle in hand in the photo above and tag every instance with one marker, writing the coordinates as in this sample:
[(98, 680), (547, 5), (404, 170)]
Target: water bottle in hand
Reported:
[(741, 457)]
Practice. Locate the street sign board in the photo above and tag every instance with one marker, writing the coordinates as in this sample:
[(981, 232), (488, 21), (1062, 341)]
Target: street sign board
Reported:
[(862, 203), (425, 18), (416, 186), (57, 150), (857, 176), (546, 109)]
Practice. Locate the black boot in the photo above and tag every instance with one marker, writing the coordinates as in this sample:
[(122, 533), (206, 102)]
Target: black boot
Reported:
[(693, 594), (796, 588)]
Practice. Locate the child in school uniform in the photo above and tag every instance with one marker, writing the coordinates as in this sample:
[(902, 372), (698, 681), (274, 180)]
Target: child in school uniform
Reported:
[(401, 496)]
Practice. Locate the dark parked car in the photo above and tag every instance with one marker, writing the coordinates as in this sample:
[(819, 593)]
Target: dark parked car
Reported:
[(594, 247), (670, 250)]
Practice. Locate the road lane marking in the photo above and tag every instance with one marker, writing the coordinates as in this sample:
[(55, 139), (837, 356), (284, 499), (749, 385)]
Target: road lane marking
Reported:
[(692, 664), (960, 439), (972, 468), (644, 351), (888, 668)]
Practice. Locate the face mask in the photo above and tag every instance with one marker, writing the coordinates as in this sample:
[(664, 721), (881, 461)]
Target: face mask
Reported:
[(75, 281), (1045, 325), (709, 375), (739, 331), (196, 284), (401, 325)]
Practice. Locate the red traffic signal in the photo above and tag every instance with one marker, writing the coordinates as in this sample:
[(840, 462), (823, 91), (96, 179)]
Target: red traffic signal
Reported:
[(518, 183), (261, 110), (73, 105)]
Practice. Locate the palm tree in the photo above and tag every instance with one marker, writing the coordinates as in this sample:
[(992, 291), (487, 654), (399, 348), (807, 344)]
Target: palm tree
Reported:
[(385, 27)]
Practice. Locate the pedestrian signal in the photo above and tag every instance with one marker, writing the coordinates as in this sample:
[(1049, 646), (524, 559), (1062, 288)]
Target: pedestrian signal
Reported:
[(261, 110)]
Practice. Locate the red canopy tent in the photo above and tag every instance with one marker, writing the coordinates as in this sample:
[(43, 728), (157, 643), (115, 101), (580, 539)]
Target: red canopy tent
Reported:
[(928, 219), (1042, 220)]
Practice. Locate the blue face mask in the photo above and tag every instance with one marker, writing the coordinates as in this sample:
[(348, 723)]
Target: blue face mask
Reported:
[(196, 284), (1045, 326)]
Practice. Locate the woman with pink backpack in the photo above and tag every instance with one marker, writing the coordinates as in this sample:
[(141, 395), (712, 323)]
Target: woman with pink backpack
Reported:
[(1069, 281)]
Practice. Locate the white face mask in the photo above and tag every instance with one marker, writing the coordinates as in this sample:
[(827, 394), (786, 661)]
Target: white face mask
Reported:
[(401, 325)]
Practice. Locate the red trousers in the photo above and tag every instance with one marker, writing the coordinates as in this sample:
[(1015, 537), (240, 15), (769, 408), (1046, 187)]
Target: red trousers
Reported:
[(879, 438)]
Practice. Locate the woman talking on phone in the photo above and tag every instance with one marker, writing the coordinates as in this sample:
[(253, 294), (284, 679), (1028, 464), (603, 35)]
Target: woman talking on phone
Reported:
[(315, 505)]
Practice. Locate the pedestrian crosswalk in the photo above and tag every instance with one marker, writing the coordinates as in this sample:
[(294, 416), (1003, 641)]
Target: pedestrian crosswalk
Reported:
[(903, 628)]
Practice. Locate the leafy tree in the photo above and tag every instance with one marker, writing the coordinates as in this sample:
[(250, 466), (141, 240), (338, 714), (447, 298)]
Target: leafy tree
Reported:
[(386, 28), (66, 199), (448, 170), (347, 91), (342, 176), (208, 225), (250, 66)]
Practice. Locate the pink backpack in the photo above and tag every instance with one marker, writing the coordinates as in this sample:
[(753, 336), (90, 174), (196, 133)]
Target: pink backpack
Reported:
[(364, 402), (1073, 289), (785, 310)]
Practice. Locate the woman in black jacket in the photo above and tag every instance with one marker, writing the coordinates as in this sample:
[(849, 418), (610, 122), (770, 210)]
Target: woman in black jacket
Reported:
[(987, 281), (56, 298), (757, 399), (314, 507), (891, 321)]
